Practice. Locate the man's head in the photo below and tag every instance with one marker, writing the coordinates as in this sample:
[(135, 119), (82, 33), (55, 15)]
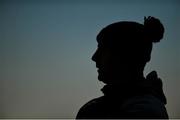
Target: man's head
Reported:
[(124, 48)]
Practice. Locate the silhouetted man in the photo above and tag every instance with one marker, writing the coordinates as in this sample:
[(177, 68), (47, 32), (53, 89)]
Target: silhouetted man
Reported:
[(123, 50)]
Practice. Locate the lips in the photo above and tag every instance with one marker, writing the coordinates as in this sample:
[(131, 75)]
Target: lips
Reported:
[(97, 66), (100, 71)]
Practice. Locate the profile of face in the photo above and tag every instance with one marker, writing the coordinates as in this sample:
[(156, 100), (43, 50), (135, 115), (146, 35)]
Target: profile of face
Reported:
[(111, 64), (103, 60)]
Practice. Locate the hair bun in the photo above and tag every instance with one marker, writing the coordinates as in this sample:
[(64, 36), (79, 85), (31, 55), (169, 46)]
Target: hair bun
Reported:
[(154, 29)]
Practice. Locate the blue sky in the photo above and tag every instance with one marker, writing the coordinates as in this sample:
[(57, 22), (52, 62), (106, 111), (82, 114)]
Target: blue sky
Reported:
[(46, 49)]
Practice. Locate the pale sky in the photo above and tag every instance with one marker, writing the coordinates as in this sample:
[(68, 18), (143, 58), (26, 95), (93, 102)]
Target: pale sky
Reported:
[(46, 47)]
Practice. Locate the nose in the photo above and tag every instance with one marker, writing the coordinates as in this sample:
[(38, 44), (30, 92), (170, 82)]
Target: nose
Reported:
[(94, 57)]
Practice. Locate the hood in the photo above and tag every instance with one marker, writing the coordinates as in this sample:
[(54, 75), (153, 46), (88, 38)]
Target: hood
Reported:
[(155, 86), (149, 85)]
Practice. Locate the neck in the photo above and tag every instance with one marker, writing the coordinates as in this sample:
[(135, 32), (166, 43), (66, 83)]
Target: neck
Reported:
[(136, 76), (127, 78)]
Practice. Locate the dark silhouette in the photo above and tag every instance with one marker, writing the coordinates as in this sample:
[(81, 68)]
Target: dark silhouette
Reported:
[(124, 48)]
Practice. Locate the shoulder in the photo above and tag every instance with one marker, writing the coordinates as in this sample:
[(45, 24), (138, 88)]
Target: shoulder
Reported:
[(146, 106), (91, 109), (94, 102)]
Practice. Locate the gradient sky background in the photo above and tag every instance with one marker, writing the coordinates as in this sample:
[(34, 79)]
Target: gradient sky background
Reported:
[(46, 47)]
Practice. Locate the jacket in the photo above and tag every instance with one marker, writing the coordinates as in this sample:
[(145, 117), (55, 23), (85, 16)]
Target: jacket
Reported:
[(142, 100)]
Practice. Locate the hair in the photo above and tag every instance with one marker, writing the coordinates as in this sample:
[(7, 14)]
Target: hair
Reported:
[(153, 29), (133, 36)]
